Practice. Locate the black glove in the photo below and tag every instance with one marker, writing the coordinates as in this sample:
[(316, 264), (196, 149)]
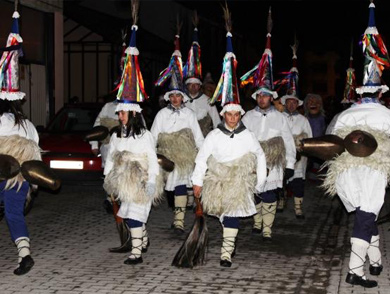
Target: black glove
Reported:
[(288, 173)]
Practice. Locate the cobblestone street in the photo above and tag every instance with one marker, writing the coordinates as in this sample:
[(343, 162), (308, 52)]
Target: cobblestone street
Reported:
[(70, 235)]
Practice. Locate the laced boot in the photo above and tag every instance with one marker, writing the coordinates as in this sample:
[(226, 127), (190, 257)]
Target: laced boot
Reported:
[(356, 275), (268, 211), (180, 210), (258, 220), (145, 239), (228, 246), (135, 256), (298, 207), (374, 254), (25, 260)]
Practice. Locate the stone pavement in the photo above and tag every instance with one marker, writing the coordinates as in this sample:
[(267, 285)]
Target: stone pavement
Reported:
[(71, 233)]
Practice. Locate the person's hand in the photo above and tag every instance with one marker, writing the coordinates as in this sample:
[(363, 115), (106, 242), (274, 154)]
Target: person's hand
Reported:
[(197, 190), (288, 173), (150, 189), (95, 152)]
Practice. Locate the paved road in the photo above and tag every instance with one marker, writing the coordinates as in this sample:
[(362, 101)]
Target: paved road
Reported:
[(71, 233)]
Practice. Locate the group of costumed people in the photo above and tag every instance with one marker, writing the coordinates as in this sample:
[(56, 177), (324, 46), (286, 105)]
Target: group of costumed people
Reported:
[(237, 167), (21, 167)]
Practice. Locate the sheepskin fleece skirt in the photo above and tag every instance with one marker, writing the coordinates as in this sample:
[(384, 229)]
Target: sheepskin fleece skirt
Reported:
[(181, 149), (22, 149), (275, 152), (109, 123), (300, 166), (228, 187), (360, 181), (127, 181), (206, 125)]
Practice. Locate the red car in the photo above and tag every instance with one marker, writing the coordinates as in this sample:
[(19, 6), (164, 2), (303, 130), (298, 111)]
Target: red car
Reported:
[(63, 147)]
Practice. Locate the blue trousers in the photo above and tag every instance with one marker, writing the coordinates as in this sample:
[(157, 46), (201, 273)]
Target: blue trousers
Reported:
[(231, 222), (364, 226), (180, 190), (132, 223), (267, 197), (14, 201), (297, 187)]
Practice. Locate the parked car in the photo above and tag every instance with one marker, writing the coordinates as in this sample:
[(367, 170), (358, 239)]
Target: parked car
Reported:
[(63, 147)]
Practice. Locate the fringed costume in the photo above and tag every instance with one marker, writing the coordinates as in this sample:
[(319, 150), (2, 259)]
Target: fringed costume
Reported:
[(273, 132), (230, 166)]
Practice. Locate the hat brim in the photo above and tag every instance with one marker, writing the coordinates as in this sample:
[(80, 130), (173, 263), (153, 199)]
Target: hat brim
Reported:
[(128, 107), (193, 81), (232, 107), (273, 94), (167, 94), (372, 89), (285, 97)]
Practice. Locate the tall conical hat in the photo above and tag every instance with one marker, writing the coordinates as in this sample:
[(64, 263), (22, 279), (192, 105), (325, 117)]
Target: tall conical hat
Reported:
[(376, 57), (192, 71), (261, 75), (131, 89), (9, 63), (227, 89), (174, 72)]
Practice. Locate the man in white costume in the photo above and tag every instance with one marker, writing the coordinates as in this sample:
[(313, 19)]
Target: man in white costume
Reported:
[(360, 182), (300, 129), (178, 136)]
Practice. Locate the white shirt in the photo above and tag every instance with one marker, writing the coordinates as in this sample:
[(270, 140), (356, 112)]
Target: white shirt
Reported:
[(108, 111), (272, 124), (141, 144), (201, 107), (169, 121), (224, 149), (8, 128), (299, 124)]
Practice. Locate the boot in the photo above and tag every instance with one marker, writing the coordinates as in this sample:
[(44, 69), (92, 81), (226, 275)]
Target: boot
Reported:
[(190, 199), (374, 254), (180, 210), (280, 206), (135, 256), (356, 264), (268, 211), (258, 220), (25, 260), (298, 207), (145, 239), (228, 246)]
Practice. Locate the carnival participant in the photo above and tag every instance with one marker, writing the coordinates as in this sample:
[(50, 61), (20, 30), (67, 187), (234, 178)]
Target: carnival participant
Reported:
[(272, 130), (360, 180), (178, 135), (224, 173), (206, 114), (132, 168), (18, 138), (300, 129)]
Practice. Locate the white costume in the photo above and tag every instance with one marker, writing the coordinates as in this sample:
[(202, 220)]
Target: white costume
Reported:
[(300, 128), (8, 128), (225, 149), (362, 183), (268, 125), (168, 121), (108, 118), (142, 144), (202, 108)]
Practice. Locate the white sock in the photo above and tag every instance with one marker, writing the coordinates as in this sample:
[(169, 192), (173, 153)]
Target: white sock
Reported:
[(373, 252), (358, 256), (23, 245)]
